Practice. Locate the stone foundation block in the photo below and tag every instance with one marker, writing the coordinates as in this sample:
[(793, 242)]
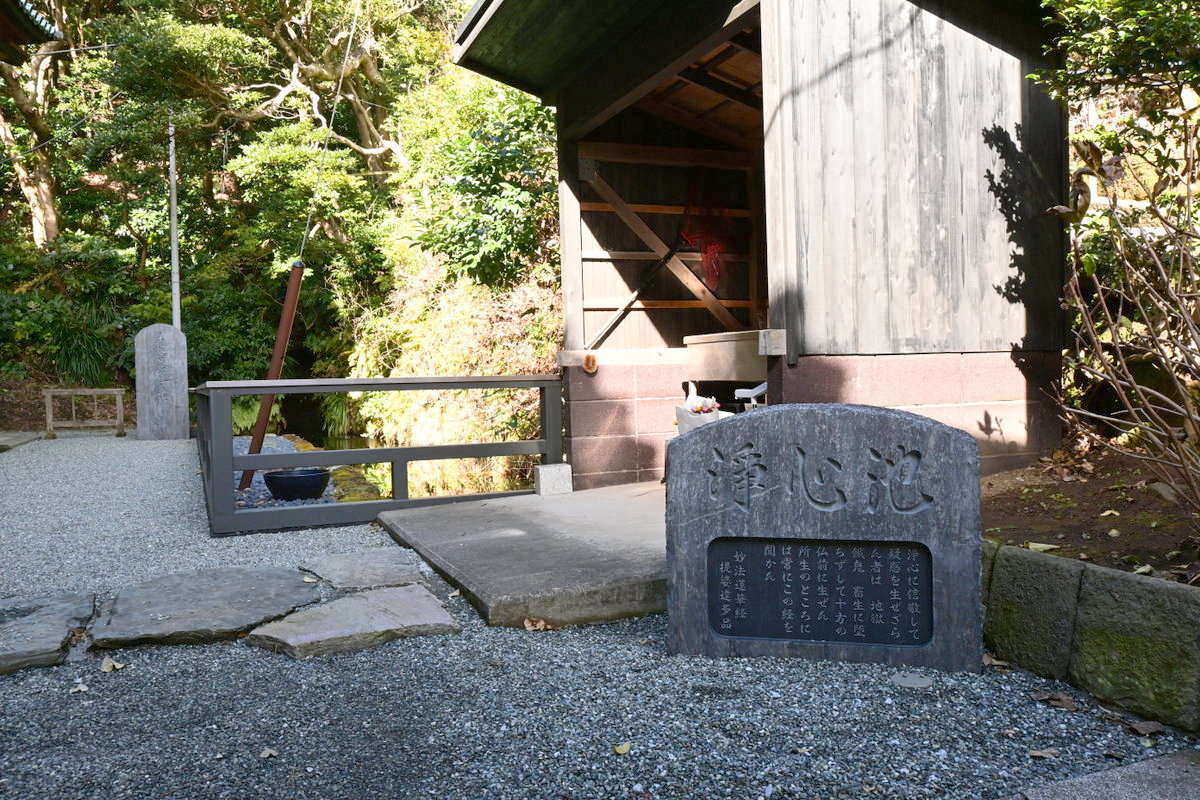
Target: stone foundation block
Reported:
[(1031, 610), (1137, 643), (552, 479)]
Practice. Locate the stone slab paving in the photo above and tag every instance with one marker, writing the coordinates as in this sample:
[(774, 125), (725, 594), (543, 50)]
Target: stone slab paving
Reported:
[(369, 569), (35, 632), (11, 439), (568, 559), (202, 606), (1173, 777), (356, 622)]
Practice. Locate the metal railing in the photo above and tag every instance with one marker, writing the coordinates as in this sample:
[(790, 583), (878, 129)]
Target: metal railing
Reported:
[(214, 413)]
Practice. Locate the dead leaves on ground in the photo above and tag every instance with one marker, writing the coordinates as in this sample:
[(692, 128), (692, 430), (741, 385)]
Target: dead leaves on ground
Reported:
[(1049, 752), (1057, 699), (110, 664), (538, 624), (1146, 727)]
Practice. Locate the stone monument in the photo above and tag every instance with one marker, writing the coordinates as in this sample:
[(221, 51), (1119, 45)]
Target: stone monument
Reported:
[(828, 531), (160, 359)]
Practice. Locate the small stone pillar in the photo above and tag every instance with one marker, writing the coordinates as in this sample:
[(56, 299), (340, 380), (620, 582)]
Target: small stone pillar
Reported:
[(160, 358)]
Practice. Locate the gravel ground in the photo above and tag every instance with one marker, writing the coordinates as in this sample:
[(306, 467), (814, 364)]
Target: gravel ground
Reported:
[(491, 714), (97, 513), (498, 714)]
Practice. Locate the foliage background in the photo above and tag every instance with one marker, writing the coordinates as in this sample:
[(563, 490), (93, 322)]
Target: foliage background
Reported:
[(427, 191)]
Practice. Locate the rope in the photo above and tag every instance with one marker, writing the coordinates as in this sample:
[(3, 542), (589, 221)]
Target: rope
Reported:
[(337, 96)]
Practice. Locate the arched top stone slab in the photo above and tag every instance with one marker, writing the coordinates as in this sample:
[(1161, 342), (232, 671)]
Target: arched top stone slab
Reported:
[(160, 360), (826, 531)]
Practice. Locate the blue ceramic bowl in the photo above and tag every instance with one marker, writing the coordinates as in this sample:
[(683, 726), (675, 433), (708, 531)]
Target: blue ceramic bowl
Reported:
[(300, 483)]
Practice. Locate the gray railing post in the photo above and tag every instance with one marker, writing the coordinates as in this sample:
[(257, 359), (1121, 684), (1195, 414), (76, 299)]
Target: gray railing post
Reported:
[(220, 416), (551, 397), (399, 480)]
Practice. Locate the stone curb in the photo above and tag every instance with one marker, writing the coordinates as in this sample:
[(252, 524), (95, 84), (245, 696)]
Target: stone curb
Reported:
[(1131, 640)]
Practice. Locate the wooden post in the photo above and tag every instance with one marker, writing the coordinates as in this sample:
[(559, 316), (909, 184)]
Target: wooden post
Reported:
[(291, 298)]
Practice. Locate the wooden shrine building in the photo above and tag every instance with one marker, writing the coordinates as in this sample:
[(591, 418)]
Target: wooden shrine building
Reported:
[(848, 193)]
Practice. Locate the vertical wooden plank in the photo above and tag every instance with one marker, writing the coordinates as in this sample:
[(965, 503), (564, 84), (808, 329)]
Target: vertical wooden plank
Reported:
[(834, 321), (965, 112), (900, 190), (930, 309), (807, 210), (569, 243), (871, 172), (756, 268), (779, 170)]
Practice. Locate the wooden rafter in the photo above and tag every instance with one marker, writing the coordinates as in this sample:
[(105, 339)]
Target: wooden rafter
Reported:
[(669, 156), (651, 240), (704, 127), (726, 90), (748, 42)]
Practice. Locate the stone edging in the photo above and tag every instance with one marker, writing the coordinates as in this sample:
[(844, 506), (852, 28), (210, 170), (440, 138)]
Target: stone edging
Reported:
[(350, 483), (1132, 640)]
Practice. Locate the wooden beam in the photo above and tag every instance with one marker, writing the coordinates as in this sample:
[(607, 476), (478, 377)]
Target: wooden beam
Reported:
[(704, 127), (651, 240), (668, 156), (611, 303), (621, 73), (719, 87), (747, 41), (570, 242), (651, 208), (646, 255)]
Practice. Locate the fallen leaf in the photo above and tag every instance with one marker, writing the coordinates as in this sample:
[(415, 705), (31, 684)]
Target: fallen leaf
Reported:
[(269, 753), (1057, 699), (1114, 533), (1146, 727), (1146, 741), (538, 624), (801, 750), (990, 660), (1039, 547), (495, 662), (1084, 557), (1009, 732), (1049, 752), (1114, 756), (455, 593), (310, 579), (1112, 512), (622, 748), (1144, 569), (77, 688), (110, 665)]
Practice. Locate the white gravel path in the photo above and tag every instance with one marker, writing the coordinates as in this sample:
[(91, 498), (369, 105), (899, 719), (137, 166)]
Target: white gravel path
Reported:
[(97, 513)]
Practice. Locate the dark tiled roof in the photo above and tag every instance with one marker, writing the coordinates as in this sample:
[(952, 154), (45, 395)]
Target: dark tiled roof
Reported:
[(21, 25)]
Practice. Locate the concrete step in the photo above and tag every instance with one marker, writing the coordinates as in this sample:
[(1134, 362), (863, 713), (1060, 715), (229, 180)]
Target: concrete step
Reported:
[(1173, 777), (570, 559)]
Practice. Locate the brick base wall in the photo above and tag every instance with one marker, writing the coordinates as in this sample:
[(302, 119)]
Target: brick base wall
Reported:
[(618, 421), (1001, 398), (620, 418)]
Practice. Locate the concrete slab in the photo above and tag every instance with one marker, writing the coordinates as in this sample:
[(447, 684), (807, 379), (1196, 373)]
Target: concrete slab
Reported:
[(11, 439), (1173, 777), (570, 559), (356, 622)]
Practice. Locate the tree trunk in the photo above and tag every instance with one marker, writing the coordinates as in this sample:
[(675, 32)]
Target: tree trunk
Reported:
[(36, 178)]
